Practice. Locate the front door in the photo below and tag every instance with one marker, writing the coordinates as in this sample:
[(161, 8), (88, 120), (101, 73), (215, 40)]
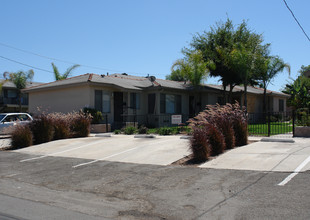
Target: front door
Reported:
[(118, 109)]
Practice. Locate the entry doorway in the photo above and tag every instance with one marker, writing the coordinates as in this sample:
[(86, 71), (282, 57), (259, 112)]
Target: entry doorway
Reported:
[(118, 110)]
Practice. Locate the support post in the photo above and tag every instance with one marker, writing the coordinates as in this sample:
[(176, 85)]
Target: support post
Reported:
[(293, 122), (106, 123), (268, 124)]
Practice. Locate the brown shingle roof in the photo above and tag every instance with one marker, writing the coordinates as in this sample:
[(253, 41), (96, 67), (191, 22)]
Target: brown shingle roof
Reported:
[(137, 83)]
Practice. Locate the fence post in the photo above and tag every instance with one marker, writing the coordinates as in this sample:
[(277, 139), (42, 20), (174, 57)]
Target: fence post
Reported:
[(268, 124), (134, 120), (106, 123), (293, 121)]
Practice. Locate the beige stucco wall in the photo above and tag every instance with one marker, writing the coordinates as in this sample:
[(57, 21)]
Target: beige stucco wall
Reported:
[(275, 104), (255, 103), (60, 100)]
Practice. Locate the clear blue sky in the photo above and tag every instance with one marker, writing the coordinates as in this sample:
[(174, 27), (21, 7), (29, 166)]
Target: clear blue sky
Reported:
[(139, 37)]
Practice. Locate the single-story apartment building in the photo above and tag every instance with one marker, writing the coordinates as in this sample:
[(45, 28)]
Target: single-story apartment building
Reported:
[(146, 100)]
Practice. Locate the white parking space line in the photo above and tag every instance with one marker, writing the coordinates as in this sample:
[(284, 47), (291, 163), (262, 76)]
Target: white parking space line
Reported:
[(296, 171), (60, 152), (113, 155)]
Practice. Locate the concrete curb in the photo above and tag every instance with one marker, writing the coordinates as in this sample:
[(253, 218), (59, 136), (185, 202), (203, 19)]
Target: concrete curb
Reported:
[(103, 135), (145, 136), (185, 137), (277, 140)]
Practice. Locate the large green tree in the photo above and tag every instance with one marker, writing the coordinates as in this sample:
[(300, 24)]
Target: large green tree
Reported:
[(304, 69), (215, 45), (230, 53), (66, 74), (20, 80), (299, 91)]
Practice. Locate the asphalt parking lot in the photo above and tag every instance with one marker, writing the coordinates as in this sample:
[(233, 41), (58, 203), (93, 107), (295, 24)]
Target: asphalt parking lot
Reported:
[(122, 177)]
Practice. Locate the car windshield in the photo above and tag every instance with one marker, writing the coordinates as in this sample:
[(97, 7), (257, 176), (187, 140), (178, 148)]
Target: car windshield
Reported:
[(1, 117)]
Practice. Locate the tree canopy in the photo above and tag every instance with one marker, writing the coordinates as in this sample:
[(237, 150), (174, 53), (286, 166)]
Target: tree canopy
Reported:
[(230, 53), (235, 54), (20, 80), (299, 91)]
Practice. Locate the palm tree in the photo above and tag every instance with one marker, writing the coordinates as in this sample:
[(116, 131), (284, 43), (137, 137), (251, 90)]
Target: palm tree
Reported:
[(20, 80), (65, 75), (192, 69), (271, 66)]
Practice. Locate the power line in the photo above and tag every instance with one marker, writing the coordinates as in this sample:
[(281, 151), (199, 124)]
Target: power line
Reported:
[(64, 61), (24, 64), (296, 20)]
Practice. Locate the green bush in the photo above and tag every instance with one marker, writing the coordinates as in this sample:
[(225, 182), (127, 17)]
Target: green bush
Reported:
[(117, 132), (80, 125), (130, 130), (42, 129), (96, 115), (199, 144), (165, 131), (143, 130), (21, 137)]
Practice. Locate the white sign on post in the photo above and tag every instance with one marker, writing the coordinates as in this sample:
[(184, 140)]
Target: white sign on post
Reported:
[(176, 119)]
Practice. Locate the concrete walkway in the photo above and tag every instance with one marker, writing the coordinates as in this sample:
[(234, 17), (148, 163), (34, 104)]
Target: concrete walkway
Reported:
[(265, 156), (161, 150)]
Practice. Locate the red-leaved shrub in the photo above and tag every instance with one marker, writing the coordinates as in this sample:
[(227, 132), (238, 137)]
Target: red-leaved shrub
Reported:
[(42, 129), (21, 137), (80, 124), (216, 140), (61, 124), (225, 126), (199, 144)]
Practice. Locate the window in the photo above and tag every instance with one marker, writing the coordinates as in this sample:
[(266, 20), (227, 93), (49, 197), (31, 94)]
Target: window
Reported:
[(102, 101), (12, 93), (170, 104), (98, 100), (135, 100), (106, 102), (281, 105)]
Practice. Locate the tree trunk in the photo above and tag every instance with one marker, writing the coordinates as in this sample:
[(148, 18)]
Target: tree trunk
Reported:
[(231, 87), (224, 95), (245, 103), (264, 101)]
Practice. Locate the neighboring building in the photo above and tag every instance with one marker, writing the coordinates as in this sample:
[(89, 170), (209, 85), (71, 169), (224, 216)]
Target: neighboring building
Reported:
[(275, 101), (9, 101), (125, 98)]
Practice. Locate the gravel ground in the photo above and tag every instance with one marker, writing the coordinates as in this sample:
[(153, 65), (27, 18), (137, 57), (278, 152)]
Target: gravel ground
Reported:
[(5, 142)]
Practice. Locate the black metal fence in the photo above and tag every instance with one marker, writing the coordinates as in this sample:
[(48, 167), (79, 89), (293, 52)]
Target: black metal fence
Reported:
[(154, 121), (276, 124), (271, 124)]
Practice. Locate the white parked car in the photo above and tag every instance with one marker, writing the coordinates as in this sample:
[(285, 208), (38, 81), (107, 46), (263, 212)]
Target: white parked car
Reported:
[(8, 120)]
